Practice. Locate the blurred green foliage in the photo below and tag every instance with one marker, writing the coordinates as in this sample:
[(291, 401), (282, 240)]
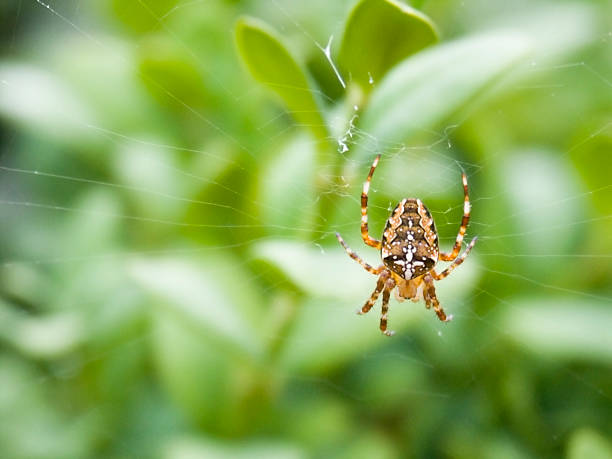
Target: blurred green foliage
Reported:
[(171, 177)]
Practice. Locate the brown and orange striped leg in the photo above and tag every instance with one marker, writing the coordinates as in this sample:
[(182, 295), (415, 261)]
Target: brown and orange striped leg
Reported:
[(464, 223), (389, 285), (357, 258), (364, 208), (429, 294), (455, 263), (380, 285)]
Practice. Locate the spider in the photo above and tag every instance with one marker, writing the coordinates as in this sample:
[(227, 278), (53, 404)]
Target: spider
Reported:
[(409, 252)]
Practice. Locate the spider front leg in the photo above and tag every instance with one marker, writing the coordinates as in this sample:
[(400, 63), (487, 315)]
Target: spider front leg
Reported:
[(364, 208), (464, 223), (357, 258), (389, 285), (429, 294)]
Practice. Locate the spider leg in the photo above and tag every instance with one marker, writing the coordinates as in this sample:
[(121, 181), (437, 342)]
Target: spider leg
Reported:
[(364, 208), (354, 256), (455, 263), (464, 223), (429, 294), (380, 284), (389, 285)]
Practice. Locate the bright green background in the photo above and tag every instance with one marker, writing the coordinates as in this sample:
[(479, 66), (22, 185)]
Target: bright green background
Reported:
[(171, 177)]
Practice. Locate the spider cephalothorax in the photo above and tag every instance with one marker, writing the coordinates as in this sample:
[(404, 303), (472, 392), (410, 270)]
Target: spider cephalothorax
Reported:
[(409, 252)]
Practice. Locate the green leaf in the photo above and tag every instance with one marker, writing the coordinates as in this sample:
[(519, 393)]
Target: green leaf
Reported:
[(185, 447), (328, 333), (48, 337), (30, 405), (203, 379), (41, 337), (206, 346), (286, 195), (541, 24), (94, 228), (541, 192), (561, 329), (43, 103), (317, 272), (198, 294), (141, 17), (170, 74), (588, 444), (379, 34), (417, 3), (271, 63), (426, 88)]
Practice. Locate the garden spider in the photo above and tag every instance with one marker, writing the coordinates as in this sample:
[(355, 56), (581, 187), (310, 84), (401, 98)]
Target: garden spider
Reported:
[(409, 251)]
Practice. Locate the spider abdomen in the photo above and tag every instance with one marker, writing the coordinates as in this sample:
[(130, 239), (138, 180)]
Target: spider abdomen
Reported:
[(410, 240)]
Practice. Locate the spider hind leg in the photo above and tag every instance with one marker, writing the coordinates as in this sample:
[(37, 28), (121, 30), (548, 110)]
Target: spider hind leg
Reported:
[(389, 285), (455, 263), (380, 285), (429, 294)]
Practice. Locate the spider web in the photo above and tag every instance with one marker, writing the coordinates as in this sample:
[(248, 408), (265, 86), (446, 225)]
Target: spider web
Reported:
[(542, 246)]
